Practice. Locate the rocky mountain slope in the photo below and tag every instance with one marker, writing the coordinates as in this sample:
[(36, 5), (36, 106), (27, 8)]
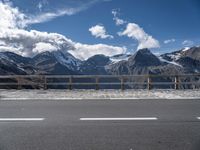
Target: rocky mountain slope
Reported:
[(142, 62), (95, 65), (56, 62)]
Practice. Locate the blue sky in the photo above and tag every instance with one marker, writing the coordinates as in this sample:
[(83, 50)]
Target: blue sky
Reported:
[(173, 23)]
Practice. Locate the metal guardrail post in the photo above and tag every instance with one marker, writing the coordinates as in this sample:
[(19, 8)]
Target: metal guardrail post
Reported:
[(97, 83), (149, 83), (176, 83), (122, 83), (70, 83)]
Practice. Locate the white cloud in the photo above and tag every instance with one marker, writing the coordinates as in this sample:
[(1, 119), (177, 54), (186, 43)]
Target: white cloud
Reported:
[(187, 43), (84, 51), (169, 41), (135, 32), (10, 17), (117, 20), (14, 38), (10, 49), (42, 47), (47, 16), (42, 4), (99, 31), (30, 43)]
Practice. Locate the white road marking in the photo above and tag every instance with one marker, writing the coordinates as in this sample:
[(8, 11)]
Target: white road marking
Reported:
[(198, 118), (48, 99), (117, 119), (22, 119)]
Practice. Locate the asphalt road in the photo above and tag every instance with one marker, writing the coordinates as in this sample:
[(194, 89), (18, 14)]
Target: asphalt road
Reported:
[(100, 125)]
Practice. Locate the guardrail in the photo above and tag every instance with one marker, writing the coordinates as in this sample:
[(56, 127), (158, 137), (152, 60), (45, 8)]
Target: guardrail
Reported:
[(101, 81)]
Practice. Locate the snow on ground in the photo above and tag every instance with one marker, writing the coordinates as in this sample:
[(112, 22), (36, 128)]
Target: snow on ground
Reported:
[(100, 94)]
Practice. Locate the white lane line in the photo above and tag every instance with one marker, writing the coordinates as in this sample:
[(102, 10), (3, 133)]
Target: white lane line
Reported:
[(48, 99), (117, 119), (22, 119), (198, 118)]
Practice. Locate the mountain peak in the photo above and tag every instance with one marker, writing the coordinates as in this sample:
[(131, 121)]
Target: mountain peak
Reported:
[(95, 65), (144, 50), (193, 53), (144, 57), (99, 60)]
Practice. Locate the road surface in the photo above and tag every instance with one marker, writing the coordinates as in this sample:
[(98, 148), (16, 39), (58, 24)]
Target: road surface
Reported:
[(100, 125)]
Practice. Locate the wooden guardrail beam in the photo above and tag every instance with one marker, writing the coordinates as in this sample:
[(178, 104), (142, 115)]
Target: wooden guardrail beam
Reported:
[(119, 80)]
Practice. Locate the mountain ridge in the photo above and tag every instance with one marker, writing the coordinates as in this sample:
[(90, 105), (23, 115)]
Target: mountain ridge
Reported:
[(141, 62)]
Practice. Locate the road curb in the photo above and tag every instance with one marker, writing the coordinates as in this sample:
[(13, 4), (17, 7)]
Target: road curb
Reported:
[(90, 99)]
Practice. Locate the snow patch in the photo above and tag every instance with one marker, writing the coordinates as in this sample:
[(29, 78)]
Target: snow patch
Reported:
[(67, 60), (185, 49), (196, 71), (169, 62), (119, 58)]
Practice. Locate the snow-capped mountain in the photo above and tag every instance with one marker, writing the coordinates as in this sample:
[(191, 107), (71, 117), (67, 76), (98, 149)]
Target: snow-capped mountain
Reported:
[(139, 63), (67, 60), (44, 63), (11, 63), (193, 53), (120, 57), (95, 65), (143, 61), (55, 62), (188, 58)]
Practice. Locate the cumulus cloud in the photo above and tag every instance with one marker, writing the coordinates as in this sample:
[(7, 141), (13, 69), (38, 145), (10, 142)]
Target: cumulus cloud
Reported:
[(84, 51), (117, 20), (14, 38), (169, 41), (99, 31), (144, 40), (30, 43), (11, 17), (41, 47), (187, 43), (135, 32)]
